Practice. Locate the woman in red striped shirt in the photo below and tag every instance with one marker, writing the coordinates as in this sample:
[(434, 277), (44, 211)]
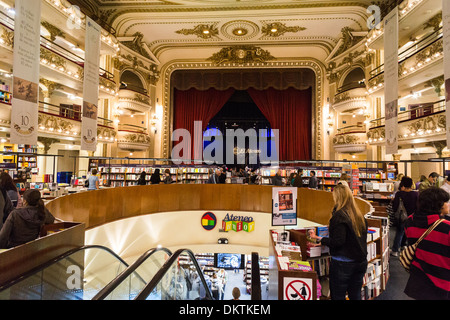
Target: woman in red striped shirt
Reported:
[(430, 269)]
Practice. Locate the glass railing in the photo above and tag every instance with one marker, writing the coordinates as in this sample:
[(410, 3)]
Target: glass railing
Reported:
[(180, 278), (77, 275), (131, 281)]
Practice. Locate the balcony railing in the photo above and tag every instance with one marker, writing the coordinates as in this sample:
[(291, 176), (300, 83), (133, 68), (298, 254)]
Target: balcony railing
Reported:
[(422, 110), (70, 112), (56, 49), (412, 50), (352, 129)]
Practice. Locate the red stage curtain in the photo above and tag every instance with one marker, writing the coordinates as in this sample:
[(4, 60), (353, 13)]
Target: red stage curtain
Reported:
[(195, 105), (290, 112)]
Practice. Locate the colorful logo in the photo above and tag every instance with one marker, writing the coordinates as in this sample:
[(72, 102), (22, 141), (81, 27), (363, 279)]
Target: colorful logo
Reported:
[(209, 221), (238, 223)]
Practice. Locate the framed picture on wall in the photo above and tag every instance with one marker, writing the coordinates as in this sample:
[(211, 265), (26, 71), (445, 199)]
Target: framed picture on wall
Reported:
[(284, 206)]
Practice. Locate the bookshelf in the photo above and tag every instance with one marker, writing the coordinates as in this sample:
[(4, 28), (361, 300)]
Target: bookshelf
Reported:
[(291, 277), (5, 94), (318, 257), (26, 161), (263, 270), (122, 175)]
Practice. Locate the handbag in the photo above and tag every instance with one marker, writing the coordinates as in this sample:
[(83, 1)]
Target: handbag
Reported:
[(400, 215), (407, 255)]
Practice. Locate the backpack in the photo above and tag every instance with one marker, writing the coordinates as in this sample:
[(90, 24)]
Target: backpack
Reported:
[(400, 215), (8, 204)]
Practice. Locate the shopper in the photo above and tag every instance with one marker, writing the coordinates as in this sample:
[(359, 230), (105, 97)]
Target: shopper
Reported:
[(430, 269), (409, 199), (313, 182), (236, 293), (298, 181), (397, 182), (429, 182), (277, 180), (24, 224), (214, 177), (348, 246), (167, 178), (155, 178), (446, 184), (93, 180), (7, 184), (344, 180), (142, 179)]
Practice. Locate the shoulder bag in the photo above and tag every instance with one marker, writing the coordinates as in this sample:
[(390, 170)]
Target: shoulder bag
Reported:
[(407, 255), (400, 215)]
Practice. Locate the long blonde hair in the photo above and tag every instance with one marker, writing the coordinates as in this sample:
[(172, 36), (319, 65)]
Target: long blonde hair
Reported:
[(343, 199)]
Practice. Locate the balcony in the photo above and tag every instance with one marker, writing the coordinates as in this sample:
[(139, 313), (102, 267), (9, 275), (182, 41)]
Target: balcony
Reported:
[(64, 122), (134, 101), (132, 138), (350, 100), (419, 62), (59, 63), (423, 123), (350, 139), (411, 13)]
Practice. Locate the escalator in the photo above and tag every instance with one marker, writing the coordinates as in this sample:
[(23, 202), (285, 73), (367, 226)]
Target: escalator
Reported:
[(97, 273)]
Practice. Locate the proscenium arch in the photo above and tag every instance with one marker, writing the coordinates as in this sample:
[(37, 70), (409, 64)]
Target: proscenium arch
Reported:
[(167, 102)]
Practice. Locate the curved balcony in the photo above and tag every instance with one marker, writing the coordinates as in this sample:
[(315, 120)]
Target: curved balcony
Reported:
[(423, 123), (351, 139), (132, 138), (351, 99), (133, 101)]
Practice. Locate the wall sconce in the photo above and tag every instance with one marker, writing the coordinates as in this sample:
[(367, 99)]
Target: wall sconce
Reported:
[(153, 123), (329, 123)]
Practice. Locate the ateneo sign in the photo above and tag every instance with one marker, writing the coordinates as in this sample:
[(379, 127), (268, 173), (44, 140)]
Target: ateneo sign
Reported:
[(238, 223)]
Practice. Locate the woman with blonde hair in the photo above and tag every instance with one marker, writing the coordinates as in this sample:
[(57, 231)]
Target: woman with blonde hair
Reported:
[(348, 246)]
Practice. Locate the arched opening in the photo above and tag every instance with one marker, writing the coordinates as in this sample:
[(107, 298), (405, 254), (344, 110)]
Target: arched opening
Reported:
[(354, 79), (131, 81)]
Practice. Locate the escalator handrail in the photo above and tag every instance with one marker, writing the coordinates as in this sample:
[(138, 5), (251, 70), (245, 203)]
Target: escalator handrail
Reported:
[(167, 265), (256, 277), (103, 293), (57, 259)]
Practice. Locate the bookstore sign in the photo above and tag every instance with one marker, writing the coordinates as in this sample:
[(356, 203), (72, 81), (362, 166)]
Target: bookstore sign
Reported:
[(284, 206)]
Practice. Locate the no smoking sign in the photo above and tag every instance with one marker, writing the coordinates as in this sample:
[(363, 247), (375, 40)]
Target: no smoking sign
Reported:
[(297, 289)]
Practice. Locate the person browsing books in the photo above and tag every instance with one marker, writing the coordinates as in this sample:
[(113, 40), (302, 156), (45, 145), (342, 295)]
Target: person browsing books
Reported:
[(347, 241), (409, 199)]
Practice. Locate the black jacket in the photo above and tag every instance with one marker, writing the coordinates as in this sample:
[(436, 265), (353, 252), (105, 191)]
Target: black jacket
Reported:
[(343, 240), (23, 225)]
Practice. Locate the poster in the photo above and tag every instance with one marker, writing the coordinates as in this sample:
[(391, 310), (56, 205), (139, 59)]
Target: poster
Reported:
[(446, 44), (284, 206), (391, 81), (90, 86), (24, 111)]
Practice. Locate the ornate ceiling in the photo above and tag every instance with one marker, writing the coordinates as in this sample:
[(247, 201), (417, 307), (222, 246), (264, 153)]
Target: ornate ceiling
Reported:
[(195, 29)]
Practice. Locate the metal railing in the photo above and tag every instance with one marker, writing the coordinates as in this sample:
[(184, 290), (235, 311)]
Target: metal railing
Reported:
[(423, 110)]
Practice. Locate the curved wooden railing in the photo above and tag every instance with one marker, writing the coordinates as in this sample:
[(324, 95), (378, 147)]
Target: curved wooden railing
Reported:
[(95, 208)]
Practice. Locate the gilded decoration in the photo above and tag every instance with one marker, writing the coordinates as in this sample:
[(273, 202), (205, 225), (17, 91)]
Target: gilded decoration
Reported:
[(239, 30), (137, 45), (50, 86), (437, 84), (54, 31), (7, 37), (241, 55), (277, 29), (203, 31)]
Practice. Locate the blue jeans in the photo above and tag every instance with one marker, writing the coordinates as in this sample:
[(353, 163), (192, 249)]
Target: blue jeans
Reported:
[(346, 278), (398, 240)]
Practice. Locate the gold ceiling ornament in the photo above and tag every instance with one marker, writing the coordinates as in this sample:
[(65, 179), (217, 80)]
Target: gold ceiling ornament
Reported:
[(276, 29), (203, 31), (241, 55)]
